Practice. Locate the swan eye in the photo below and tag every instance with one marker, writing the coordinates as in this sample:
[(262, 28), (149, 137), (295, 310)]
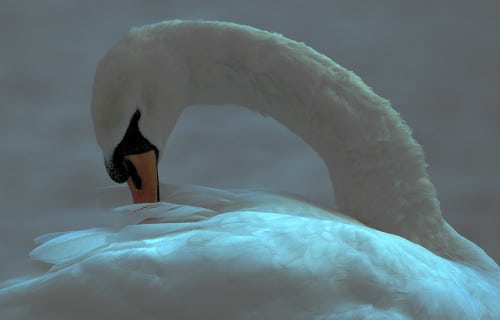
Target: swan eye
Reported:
[(120, 169), (117, 171)]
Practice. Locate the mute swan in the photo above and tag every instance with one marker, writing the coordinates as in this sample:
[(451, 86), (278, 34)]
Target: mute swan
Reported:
[(213, 254)]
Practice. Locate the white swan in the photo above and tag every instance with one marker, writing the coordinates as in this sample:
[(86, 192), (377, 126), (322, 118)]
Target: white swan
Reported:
[(214, 254)]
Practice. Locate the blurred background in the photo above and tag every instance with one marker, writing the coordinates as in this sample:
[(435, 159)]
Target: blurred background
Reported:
[(438, 62)]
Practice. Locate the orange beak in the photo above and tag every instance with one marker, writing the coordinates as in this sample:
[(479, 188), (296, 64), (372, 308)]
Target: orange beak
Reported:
[(143, 183)]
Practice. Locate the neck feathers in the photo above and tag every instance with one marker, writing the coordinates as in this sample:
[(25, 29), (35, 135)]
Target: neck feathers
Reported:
[(378, 170)]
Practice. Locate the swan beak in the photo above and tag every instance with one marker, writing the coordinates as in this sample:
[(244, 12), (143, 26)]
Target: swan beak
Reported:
[(143, 180)]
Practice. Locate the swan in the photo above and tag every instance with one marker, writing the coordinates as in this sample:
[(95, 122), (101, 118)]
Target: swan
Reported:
[(185, 252)]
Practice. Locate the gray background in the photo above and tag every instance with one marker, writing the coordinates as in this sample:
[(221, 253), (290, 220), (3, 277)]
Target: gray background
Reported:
[(437, 61)]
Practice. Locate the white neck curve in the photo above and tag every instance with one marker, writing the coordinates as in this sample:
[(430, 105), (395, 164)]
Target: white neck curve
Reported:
[(377, 169)]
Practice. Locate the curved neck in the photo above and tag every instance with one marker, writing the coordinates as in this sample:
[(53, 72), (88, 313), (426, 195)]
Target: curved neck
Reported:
[(377, 169)]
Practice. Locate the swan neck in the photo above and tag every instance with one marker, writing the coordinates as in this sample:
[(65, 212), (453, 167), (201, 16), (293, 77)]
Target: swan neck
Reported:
[(377, 168)]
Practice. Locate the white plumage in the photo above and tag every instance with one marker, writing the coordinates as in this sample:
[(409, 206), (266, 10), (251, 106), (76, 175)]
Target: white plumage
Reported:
[(213, 254)]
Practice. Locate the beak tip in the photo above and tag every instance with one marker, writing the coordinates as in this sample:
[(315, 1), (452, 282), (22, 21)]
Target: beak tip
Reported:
[(143, 179)]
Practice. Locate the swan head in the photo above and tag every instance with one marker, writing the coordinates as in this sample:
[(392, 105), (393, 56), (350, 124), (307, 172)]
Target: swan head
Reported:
[(128, 133), (137, 96), (134, 160)]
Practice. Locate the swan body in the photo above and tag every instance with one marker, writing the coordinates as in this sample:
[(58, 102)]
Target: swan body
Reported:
[(387, 253), (217, 254)]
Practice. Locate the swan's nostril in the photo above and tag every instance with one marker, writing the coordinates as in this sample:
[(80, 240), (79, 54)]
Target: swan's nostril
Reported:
[(143, 176), (132, 171)]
